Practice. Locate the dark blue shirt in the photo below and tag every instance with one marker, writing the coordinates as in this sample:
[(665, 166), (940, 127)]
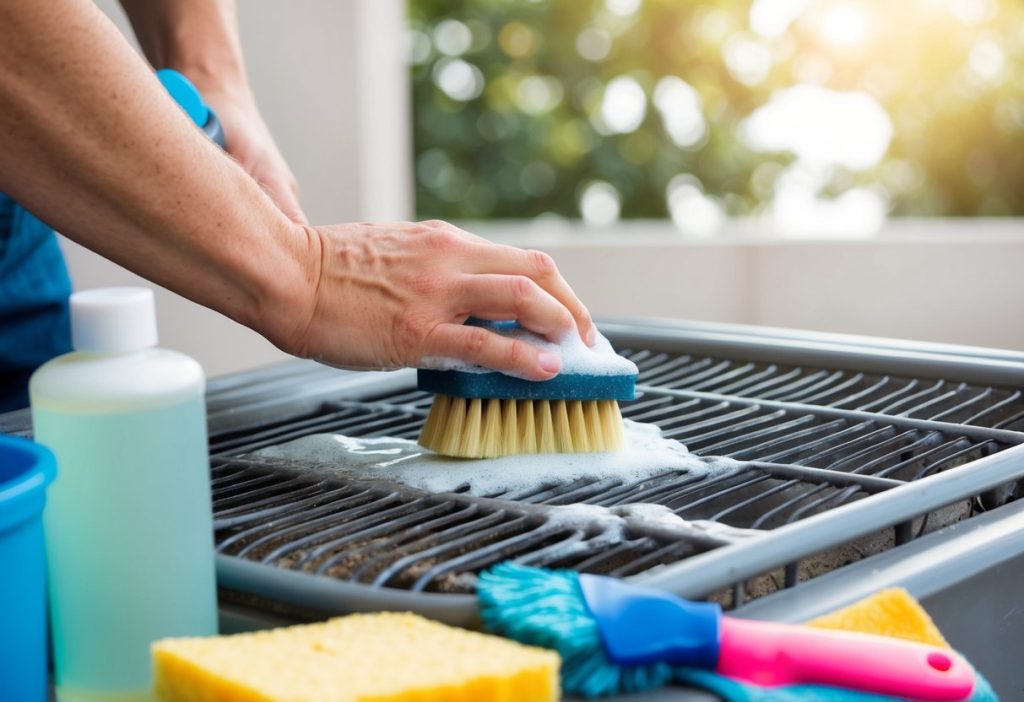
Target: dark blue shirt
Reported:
[(34, 290)]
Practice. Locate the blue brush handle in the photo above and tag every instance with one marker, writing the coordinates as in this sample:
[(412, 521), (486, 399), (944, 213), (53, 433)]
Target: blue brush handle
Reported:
[(191, 101), (642, 625)]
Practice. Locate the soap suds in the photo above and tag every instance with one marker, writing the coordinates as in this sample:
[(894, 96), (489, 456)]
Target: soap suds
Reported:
[(613, 519), (646, 454), (577, 357)]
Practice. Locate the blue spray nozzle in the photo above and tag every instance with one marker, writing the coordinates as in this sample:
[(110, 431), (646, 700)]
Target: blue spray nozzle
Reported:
[(191, 101), (185, 94)]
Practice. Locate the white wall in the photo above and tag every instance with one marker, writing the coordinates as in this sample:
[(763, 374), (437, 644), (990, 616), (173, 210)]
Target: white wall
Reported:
[(331, 84), (951, 281)]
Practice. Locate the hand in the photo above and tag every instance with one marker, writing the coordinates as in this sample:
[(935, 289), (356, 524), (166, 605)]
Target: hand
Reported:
[(392, 295), (249, 141)]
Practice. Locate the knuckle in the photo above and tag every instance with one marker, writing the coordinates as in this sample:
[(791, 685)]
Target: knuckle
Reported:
[(435, 224), (522, 288), (441, 239), (516, 353), (543, 263), (566, 319), (407, 335), (476, 340), (425, 285)]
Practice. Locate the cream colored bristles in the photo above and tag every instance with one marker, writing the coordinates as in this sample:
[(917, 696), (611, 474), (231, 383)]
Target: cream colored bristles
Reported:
[(508, 428), (475, 428), (526, 429), (544, 428)]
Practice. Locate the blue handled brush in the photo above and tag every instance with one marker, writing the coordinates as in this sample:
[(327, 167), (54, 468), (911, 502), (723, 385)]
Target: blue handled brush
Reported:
[(615, 637), (479, 413)]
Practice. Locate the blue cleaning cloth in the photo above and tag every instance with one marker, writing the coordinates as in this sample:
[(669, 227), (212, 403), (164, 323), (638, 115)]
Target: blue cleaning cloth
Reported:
[(732, 691)]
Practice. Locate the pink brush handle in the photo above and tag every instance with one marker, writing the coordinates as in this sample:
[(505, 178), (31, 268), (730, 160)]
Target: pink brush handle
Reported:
[(767, 653)]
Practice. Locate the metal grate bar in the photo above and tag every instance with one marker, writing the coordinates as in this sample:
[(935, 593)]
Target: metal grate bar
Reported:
[(362, 522), (472, 539), (750, 383), (868, 391), (994, 409), (304, 515), (423, 535), (622, 551), (1010, 421), (665, 554), (821, 398), (426, 532), (774, 380)]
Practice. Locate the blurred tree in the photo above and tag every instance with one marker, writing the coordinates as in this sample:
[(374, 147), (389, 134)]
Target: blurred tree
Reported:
[(649, 108)]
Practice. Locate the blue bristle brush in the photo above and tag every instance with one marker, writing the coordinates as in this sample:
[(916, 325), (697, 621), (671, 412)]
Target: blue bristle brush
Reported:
[(479, 413), (615, 637)]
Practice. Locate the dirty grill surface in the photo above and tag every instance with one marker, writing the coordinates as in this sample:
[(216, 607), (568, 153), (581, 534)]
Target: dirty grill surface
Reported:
[(810, 439)]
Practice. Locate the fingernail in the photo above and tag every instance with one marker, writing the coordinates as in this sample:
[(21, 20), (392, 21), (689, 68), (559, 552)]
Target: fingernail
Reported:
[(592, 336), (549, 362)]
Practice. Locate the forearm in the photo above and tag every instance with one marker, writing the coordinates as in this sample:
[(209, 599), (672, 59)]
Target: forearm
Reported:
[(199, 38), (196, 37), (91, 143)]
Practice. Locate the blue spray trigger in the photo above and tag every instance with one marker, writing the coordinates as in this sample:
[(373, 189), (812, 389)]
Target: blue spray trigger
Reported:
[(641, 625), (191, 101), (185, 94)]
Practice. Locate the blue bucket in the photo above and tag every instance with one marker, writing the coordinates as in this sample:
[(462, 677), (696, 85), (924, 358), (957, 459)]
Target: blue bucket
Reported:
[(26, 468)]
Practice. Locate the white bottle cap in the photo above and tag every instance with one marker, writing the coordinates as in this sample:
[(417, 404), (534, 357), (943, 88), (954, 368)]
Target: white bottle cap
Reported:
[(113, 320)]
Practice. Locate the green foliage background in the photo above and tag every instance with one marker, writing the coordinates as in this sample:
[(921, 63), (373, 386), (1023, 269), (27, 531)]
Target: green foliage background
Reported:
[(956, 150)]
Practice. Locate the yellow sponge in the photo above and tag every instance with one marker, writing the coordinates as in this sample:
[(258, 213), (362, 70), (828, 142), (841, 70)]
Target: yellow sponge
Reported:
[(387, 657), (891, 612)]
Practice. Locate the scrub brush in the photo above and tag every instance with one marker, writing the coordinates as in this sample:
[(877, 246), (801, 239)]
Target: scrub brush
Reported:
[(480, 413), (616, 637)]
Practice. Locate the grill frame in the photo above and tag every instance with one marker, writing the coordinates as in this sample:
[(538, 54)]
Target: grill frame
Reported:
[(251, 400), (263, 396)]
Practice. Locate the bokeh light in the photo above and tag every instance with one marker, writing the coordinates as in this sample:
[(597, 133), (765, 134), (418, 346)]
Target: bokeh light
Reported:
[(823, 116), (844, 23)]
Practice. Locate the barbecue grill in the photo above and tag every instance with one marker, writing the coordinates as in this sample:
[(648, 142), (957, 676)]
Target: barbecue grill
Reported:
[(862, 463)]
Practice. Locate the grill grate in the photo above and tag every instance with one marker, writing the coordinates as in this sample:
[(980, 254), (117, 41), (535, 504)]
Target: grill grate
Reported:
[(395, 537), (811, 439), (937, 400)]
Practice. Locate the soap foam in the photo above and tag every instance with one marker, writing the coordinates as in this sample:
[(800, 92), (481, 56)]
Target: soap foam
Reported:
[(646, 454), (613, 519), (662, 515), (577, 357)]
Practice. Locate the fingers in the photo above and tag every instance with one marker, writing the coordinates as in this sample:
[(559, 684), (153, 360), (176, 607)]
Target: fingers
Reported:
[(490, 296), (539, 267), (485, 348), (487, 257)]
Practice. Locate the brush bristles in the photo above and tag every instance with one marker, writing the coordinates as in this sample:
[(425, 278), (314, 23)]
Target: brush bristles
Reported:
[(488, 428)]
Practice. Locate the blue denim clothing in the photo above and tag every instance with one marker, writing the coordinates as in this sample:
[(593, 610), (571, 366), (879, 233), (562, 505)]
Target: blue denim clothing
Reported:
[(34, 289)]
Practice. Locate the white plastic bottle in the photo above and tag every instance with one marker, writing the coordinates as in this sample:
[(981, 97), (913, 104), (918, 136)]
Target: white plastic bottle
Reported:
[(128, 520)]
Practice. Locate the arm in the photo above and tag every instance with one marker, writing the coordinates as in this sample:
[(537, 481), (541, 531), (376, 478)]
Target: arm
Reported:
[(199, 38), (90, 142)]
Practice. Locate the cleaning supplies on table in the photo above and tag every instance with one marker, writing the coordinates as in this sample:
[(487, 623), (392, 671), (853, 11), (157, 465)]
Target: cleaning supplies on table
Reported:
[(26, 469), (480, 413), (128, 524), (387, 657), (618, 637)]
